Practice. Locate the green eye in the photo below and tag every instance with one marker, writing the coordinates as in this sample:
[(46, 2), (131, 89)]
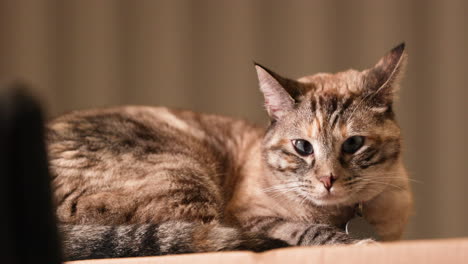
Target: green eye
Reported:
[(303, 147), (353, 144)]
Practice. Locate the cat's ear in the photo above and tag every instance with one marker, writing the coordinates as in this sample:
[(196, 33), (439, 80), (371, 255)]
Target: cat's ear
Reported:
[(280, 93), (383, 79)]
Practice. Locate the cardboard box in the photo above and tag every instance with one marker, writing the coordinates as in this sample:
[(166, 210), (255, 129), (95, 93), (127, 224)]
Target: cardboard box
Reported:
[(451, 251)]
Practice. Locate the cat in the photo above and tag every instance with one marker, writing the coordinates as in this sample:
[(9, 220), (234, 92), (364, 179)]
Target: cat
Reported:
[(138, 181)]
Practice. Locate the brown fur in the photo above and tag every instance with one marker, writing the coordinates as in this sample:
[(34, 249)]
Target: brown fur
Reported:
[(149, 165)]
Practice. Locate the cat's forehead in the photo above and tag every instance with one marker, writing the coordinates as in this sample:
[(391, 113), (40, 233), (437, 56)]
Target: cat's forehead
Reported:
[(326, 115), (331, 117), (336, 109), (341, 83), (332, 97)]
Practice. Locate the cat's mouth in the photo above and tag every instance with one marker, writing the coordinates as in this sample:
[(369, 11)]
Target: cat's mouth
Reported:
[(330, 198)]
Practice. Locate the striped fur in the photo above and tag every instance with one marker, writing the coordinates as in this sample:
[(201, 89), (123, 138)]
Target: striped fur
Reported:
[(172, 237), (135, 181)]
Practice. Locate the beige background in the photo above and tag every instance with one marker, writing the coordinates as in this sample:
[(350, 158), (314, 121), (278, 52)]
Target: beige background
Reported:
[(198, 55)]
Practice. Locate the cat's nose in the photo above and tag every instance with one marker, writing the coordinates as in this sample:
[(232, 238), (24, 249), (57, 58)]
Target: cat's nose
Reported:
[(327, 181)]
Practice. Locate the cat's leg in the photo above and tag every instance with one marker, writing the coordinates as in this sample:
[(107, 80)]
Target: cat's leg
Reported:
[(180, 212), (171, 194), (389, 212), (298, 233), (171, 237)]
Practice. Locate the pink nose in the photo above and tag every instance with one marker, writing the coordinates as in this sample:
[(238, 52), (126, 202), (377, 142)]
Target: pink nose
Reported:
[(327, 181)]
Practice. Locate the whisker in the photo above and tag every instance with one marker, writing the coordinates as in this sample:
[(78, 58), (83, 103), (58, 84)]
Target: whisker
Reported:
[(279, 188), (284, 190), (392, 178), (382, 183), (379, 176), (287, 184), (367, 97)]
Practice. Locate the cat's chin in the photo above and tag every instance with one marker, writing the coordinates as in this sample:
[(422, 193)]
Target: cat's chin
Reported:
[(327, 200)]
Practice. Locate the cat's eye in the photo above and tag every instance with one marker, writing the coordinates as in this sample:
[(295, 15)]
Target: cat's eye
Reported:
[(303, 147), (353, 144)]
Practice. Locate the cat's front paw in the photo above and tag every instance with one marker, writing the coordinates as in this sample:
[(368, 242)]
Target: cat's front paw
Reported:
[(260, 243), (365, 242), (319, 234)]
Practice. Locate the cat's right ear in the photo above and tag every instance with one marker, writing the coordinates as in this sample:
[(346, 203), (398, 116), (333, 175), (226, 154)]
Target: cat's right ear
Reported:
[(383, 79), (277, 100)]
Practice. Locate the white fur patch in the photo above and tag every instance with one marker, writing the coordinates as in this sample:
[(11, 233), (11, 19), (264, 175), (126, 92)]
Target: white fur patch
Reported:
[(379, 109), (167, 117)]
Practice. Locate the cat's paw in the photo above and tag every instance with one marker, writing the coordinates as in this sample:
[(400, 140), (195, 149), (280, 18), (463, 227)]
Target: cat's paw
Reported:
[(260, 244), (365, 242)]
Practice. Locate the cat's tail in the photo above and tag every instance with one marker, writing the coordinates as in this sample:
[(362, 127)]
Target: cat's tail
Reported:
[(174, 237)]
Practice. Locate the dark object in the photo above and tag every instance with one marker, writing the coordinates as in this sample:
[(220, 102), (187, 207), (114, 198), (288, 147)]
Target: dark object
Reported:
[(27, 223), (358, 227)]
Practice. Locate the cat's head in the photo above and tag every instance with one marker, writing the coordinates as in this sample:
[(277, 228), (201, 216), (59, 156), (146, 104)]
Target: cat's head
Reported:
[(333, 138)]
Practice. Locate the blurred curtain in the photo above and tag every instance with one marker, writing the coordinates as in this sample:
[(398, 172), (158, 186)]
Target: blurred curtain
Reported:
[(198, 55)]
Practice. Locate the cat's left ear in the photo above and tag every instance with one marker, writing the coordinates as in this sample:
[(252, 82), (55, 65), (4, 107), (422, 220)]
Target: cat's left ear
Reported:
[(383, 79)]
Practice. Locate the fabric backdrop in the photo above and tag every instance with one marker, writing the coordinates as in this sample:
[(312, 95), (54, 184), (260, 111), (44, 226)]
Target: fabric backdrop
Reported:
[(198, 55)]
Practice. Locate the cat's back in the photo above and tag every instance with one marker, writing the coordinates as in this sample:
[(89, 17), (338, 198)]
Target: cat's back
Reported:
[(116, 131), (98, 153), (142, 131)]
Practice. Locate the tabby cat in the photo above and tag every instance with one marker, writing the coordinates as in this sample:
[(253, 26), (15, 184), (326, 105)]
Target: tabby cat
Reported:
[(136, 181)]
